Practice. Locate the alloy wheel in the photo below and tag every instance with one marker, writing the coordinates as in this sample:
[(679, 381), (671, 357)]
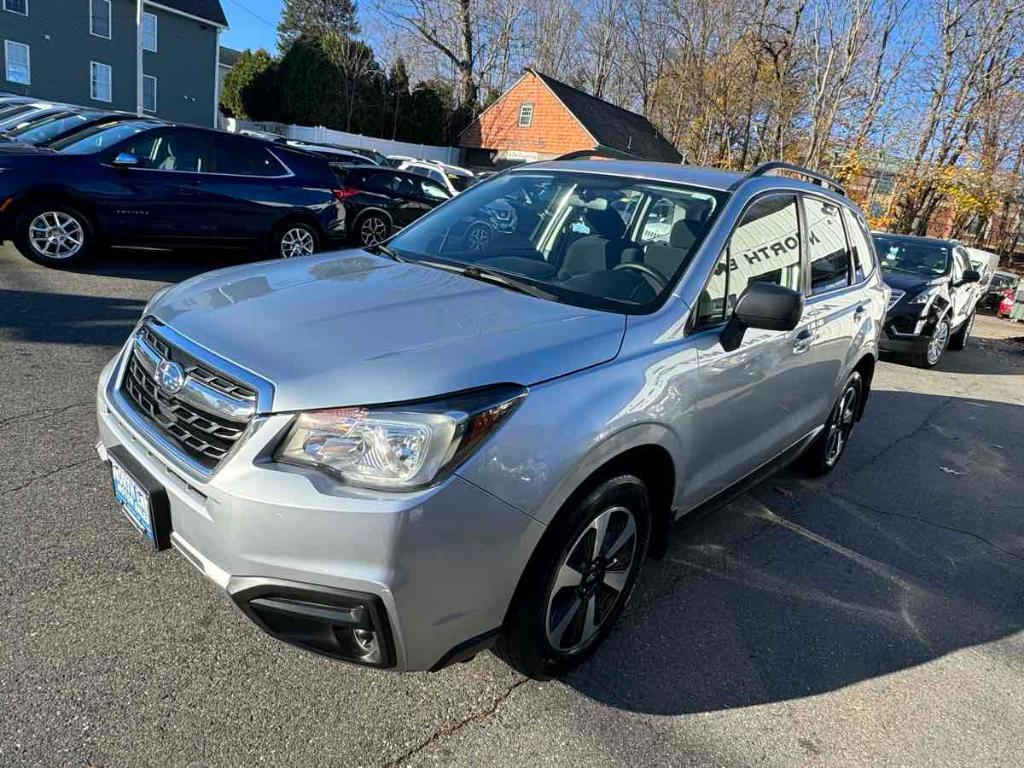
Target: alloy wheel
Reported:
[(56, 235), (297, 241), (937, 345), (591, 580), (373, 230), (840, 425)]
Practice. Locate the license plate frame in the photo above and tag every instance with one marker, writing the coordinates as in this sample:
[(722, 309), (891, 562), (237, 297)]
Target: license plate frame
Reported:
[(141, 497)]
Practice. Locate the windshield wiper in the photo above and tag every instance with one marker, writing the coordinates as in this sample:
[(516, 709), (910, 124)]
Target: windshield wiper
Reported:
[(391, 253), (494, 277)]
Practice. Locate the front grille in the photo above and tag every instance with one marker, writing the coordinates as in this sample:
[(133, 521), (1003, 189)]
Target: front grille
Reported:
[(205, 418)]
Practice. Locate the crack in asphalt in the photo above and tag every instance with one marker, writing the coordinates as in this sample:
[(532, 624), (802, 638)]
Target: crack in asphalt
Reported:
[(45, 475), (924, 520), (448, 730), (41, 415)]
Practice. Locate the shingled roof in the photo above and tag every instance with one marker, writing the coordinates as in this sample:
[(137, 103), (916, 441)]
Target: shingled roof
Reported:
[(612, 126), (210, 10)]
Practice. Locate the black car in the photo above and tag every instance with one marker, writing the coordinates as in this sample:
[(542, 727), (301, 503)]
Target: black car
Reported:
[(934, 294), (379, 200), (140, 183)]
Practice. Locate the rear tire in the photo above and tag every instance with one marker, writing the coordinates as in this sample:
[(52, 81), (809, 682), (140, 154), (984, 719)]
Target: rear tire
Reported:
[(294, 240), (937, 346), (54, 235), (959, 339), (823, 455), (579, 580)]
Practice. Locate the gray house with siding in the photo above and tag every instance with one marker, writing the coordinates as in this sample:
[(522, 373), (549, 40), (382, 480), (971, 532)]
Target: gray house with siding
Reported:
[(85, 52)]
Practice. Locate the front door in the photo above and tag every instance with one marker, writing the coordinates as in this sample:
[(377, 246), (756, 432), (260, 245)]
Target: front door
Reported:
[(164, 201), (757, 400)]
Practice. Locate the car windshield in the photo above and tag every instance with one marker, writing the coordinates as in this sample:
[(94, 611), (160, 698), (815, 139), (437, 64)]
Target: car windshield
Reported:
[(98, 138), (605, 242), (38, 133), (923, 258)]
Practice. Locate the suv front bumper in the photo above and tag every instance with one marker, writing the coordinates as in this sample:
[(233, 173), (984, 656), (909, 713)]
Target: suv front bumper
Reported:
[(431, 571)]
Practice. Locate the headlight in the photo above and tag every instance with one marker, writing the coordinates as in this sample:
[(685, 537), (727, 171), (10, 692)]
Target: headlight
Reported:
[(925, 296), (398, 447)]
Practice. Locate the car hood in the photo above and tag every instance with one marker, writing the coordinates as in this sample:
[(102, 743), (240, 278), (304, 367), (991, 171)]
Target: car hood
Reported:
[(909, 282), (352, 328)]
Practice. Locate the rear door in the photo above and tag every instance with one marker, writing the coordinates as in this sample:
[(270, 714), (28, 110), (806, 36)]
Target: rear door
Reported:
[(248, 190), (837, 300)]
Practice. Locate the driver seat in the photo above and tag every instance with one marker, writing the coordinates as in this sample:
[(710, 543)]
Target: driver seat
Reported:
[(668, 259), (604, 249)]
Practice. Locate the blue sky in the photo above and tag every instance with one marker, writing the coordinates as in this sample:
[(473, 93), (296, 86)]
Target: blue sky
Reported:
[(251, 24)]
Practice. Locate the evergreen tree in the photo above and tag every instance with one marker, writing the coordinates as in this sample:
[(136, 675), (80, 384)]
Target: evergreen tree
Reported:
[(314, 18)]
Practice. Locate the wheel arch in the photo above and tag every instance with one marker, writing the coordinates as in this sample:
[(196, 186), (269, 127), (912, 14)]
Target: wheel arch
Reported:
[(297, 217), (56, 196), (866, 368)]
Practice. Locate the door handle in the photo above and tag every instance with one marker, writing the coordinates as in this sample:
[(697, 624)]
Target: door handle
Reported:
[(802, 342), (858, 313)]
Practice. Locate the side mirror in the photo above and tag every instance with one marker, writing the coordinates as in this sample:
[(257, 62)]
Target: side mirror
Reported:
[(126, 160), (763, 305), (971, 276)]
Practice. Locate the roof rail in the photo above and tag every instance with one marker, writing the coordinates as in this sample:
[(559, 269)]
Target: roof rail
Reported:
[(609, 153), (777, 165)]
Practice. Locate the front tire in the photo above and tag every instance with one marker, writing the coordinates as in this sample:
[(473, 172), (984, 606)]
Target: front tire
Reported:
[(936, 348), (372, 229), (959, 339), (828, 447), (54, 235), (579, 580)]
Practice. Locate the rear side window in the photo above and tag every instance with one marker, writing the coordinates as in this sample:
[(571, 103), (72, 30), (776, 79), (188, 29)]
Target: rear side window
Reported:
[(765, 247), (860, 248), (828, 250), (246, 158)]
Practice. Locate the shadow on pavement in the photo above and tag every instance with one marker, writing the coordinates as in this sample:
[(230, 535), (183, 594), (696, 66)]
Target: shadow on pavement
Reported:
[(165, 266), (800, 588), (42, 317)]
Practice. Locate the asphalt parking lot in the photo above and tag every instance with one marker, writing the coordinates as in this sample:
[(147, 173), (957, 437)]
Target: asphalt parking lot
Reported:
[(876, 618)]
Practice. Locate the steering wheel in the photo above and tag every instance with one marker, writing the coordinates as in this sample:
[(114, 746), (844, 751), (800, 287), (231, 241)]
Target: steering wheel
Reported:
[(659, 280)]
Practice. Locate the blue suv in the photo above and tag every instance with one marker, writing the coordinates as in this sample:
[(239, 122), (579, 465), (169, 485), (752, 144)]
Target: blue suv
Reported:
[(148, 184)]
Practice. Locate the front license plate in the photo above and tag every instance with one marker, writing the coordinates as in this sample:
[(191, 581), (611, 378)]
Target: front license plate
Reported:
[(133, 498), (141, 497)]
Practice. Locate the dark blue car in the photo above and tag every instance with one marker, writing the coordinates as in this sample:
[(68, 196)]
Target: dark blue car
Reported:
[(136, 183)]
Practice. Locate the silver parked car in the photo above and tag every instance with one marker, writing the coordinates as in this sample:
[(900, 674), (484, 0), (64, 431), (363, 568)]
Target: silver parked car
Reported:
[(399, 457)]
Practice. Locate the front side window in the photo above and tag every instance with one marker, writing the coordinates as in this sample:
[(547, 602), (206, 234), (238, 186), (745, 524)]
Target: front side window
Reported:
[(149, 32), (576, 236), (433, 191), (18, 67), (828, 251), (863, 261), (148, 93), (173, 150), (99, 18), (100, 81), (525, 115), (764, 248), (16, 6)]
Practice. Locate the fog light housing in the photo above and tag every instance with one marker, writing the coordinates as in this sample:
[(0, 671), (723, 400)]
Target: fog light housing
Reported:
[(342, 624)]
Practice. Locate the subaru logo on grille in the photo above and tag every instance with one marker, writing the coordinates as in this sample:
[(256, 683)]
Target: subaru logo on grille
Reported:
[(170, 377)]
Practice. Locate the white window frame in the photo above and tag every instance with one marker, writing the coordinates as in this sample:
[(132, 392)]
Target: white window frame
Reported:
[(144, 107), (110, 81), (110, 20), (156, 31), (11, 10), (526, 108), (8, 44)]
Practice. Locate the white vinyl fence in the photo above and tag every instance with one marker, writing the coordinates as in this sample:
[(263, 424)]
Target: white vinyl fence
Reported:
[(320, 135)]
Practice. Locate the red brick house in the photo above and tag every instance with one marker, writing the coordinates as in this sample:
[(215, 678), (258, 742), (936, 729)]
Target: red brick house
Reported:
[(539, 118)]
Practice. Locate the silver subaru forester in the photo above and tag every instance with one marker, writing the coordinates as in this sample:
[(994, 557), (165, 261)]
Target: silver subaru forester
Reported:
[(473, 434)]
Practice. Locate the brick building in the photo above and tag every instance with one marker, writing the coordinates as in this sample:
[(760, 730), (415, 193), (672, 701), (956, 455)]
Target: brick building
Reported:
[(539, 118)]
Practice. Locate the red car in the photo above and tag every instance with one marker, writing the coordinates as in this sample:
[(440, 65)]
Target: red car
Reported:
[(1003, 310)]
